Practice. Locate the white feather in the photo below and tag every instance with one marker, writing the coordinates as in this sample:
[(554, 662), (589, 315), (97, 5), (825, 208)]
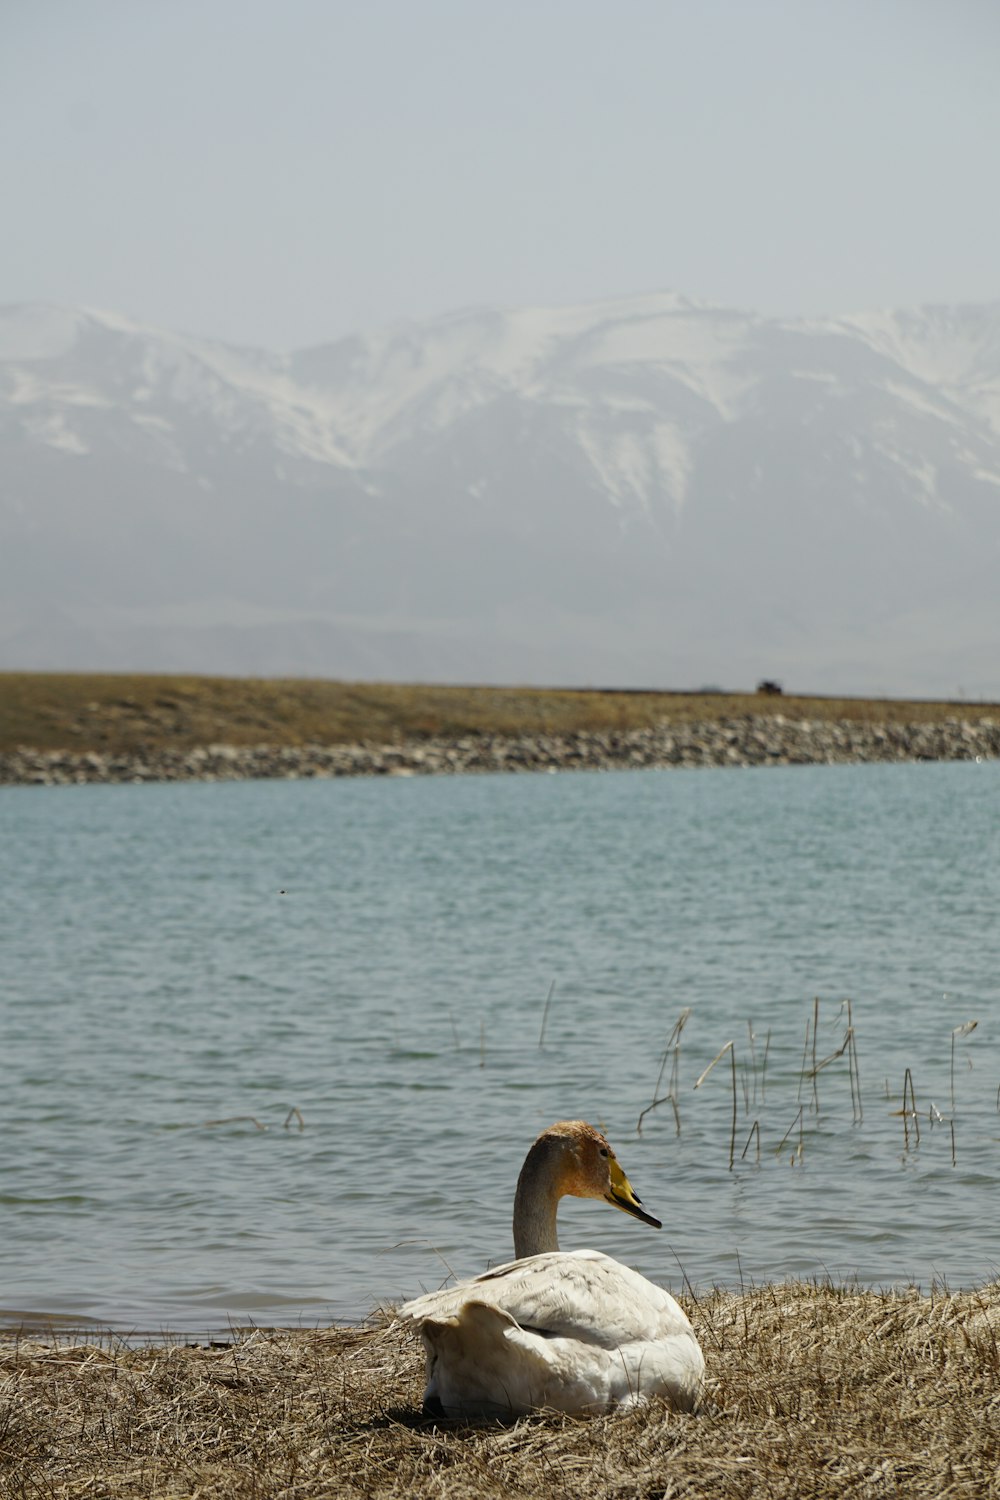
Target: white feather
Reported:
[(569, 1330), (573, 1331)]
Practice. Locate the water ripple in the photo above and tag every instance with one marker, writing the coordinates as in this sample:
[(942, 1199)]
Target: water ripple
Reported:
[(394, 997)]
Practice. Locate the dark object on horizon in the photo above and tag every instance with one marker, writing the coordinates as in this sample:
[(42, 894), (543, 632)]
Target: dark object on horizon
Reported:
[(767, 686)]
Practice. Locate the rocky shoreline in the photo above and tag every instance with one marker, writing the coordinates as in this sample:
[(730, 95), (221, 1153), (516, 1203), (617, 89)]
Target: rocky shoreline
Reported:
[(751, 740)]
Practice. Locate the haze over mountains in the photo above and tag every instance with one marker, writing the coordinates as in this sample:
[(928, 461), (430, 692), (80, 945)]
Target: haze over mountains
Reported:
[(645, 492)]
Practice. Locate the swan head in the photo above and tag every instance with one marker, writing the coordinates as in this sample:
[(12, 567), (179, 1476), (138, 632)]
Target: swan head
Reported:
[(586, 1167)]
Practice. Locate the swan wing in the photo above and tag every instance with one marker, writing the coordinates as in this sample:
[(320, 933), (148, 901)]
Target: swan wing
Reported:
[(579, 1294), (584, 1295)]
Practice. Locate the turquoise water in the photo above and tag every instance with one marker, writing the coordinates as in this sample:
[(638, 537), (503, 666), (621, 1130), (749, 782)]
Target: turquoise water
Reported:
[(378, 954)]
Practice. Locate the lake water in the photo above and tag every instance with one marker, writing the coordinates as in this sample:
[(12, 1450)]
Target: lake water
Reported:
[(377, 955)]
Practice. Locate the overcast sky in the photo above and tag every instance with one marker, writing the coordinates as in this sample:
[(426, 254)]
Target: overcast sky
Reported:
[(282, 172)]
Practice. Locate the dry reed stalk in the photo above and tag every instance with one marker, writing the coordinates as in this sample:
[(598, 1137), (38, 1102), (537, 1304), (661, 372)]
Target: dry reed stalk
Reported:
[(754, 1131), (814, 1390), (825, 1062), (237, 1120), (959, 1031), (753, 1057), (848, 1046), (911, 1113), (797, 1121), (732, 1133), (854, 1070), (667, 1099), (730, 1048), (717, 1058), (671, 1050), (803, 1071), (545, 1015)]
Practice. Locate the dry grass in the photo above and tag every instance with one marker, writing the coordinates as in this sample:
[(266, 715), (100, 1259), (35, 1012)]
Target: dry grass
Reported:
[(815, 1391), (121, 712)]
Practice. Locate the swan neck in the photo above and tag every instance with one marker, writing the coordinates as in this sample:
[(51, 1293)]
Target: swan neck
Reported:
[(536, 1202)]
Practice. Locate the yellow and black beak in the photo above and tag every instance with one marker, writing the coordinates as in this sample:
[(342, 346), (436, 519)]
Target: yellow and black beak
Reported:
[(623, 1196)]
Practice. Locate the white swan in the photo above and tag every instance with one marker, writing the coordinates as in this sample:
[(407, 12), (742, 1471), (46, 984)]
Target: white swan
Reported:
[(570, 1330)]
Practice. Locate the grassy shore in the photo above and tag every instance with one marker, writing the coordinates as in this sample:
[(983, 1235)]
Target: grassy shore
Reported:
[(118, 713), (814, 1391)]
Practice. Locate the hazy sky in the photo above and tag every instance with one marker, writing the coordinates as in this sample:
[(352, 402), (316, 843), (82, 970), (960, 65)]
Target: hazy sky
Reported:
[(282, 172)]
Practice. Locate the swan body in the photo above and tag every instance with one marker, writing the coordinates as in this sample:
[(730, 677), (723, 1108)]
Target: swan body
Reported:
[(572, 1331)]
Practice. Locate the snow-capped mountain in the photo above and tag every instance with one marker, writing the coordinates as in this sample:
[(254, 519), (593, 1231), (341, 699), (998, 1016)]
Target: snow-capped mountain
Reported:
[(639, 492)]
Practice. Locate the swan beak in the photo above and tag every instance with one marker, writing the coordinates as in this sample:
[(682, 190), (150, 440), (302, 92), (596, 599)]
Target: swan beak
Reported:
[(623, 1196)]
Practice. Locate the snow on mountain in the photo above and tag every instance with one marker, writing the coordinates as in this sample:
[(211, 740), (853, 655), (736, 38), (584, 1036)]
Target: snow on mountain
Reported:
[(649, 490), (956, 349)]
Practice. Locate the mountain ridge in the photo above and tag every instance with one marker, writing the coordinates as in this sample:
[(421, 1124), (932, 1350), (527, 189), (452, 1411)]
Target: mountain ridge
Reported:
[(648, 491)]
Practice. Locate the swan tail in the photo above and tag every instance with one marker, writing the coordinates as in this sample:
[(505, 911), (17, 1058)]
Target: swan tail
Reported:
[(481, 1364)]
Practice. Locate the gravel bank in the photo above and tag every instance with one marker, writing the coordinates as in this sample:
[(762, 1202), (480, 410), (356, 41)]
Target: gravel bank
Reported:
[(758, 740)]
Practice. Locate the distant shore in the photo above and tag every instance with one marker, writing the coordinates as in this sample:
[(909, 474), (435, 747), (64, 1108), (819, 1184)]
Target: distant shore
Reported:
[(758, 740), (66, 728)]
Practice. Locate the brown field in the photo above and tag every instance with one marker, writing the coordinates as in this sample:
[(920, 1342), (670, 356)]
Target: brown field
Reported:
[(122, 712), (814, 1391)]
